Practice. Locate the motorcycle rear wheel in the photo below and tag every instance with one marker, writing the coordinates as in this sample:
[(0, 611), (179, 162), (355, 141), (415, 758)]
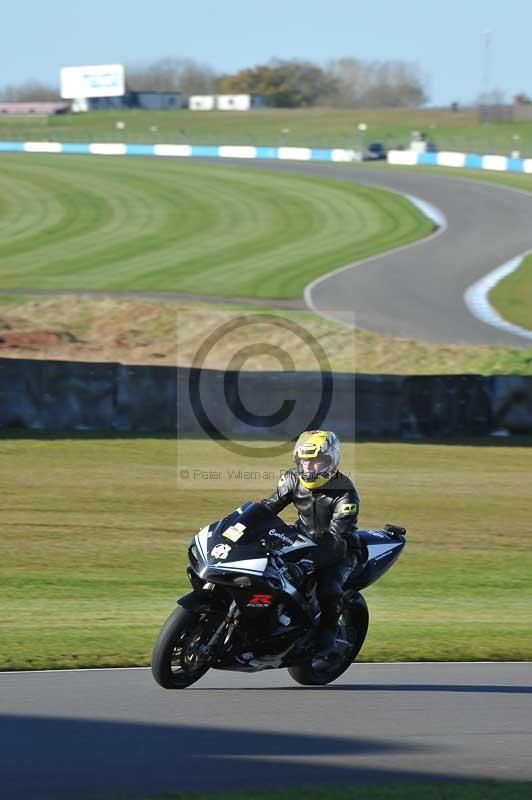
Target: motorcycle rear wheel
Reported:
[(354, 626), (176, 660)]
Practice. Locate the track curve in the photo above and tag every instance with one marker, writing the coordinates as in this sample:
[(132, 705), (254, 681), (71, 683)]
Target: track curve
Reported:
[(114, 732), (418, 290)]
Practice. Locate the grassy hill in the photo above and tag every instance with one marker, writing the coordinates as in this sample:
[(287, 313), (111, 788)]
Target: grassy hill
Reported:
[(312, 127)]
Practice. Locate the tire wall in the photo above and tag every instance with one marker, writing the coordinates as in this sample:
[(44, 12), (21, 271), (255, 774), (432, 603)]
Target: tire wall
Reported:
[(62, 396)]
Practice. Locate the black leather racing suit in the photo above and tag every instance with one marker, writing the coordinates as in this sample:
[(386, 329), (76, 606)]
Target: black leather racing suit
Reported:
[(328, 515)]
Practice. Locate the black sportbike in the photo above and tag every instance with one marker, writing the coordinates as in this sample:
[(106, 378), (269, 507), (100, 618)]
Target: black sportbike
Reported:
[(253, 604)]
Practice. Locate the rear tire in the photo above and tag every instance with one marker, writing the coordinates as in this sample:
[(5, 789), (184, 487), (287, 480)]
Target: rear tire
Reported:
[(353, 627), (175, 663)]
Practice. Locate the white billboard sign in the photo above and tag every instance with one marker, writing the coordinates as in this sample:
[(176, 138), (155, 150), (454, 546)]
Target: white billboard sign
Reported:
[(101, 80)]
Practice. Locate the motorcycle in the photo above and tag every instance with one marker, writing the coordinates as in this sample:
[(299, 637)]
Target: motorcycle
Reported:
[(253, 603)]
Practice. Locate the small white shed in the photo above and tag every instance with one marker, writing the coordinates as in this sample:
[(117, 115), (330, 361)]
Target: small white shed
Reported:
[(239, 102), (202, 102)]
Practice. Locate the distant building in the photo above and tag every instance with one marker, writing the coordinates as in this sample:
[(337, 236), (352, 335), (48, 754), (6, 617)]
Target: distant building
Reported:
[(226, 102), (158, 100), (103, 86), (202, 102), (41, 107), (239, 102), (152, 101)]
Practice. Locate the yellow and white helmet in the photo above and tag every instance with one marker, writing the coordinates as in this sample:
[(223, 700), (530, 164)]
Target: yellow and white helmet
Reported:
[(316, 456)]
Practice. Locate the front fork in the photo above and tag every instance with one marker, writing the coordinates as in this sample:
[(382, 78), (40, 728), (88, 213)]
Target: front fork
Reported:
[(228, 624)]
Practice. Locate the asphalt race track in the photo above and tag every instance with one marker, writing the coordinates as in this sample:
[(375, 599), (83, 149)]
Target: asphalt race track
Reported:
[(418, 291), (91, 733)]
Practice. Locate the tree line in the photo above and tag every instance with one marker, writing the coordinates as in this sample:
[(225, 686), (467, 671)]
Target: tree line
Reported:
[(286, 83)]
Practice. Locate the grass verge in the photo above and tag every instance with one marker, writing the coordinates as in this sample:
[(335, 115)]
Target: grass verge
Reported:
[(513, 295), (169, 333), (308, 127), (95, 531)]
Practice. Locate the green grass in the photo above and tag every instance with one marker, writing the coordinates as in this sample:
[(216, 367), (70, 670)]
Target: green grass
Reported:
[(312, 127), (104, 223), (94, 536), (513, 295), (484, 790)]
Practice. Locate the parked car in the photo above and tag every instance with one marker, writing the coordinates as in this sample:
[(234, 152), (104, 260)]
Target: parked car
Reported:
[(375, 151)]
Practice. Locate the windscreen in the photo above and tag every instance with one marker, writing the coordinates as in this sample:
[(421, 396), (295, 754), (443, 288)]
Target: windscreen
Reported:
[(241, 534)]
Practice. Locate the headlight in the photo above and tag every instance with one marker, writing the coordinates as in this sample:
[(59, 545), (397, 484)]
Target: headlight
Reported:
[(193, 556)]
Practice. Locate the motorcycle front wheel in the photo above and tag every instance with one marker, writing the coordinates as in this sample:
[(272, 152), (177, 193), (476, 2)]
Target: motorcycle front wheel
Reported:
[(178, 657)]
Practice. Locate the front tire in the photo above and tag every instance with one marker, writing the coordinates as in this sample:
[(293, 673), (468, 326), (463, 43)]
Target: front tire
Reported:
[(176, 657), (353, 628)]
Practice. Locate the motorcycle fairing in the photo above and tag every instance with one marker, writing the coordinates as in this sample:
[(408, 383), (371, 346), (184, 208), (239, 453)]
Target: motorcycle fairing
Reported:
[(383, 551), (246, 551), (299, 543), (248, 566)]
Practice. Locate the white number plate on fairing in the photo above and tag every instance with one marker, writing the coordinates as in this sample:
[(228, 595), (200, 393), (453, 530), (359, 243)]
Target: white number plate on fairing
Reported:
[(235, 532)]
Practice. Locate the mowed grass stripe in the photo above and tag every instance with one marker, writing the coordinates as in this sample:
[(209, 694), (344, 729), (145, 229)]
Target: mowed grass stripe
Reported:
[(25, 209), (98, 215), (143, 224)]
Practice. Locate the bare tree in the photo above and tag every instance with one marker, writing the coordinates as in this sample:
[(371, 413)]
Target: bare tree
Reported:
[(172, 75), (31, 91), (374, 84)]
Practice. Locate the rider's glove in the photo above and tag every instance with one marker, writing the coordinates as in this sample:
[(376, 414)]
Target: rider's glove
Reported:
[(359, 548), (277, 540)]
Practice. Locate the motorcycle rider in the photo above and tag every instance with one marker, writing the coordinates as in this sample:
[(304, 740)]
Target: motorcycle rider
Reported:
[(327, 504)]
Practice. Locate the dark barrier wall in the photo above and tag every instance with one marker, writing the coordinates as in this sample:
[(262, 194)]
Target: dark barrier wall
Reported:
[(63, 395)]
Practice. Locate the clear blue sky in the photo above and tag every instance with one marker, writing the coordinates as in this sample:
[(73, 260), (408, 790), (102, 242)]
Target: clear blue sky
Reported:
[(444, 37)]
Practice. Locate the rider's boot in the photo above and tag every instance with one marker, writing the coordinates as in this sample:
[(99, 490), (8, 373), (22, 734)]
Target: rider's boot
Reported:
[(331, 609)]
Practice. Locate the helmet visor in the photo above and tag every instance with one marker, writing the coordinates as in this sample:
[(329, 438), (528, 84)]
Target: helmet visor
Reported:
[(312, 468)]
